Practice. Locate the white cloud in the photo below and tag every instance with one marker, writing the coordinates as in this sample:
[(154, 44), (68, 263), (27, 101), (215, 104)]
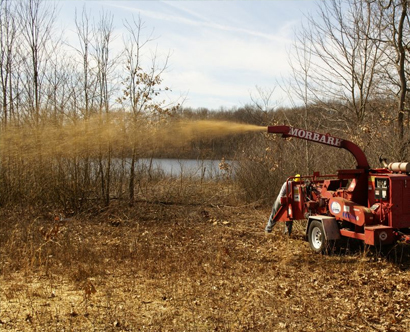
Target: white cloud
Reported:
[(199, 21), (223, 67), (220, 49)]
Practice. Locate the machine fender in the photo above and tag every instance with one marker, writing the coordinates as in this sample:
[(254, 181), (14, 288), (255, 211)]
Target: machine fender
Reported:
[(330, 226)]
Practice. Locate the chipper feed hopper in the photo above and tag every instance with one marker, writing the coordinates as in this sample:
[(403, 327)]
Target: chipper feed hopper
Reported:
[(371, 205)]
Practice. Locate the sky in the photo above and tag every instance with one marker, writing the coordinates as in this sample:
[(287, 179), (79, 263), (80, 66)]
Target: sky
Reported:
[(220, 51)]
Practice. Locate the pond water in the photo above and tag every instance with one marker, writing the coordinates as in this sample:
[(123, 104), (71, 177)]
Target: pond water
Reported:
[(203, 169)]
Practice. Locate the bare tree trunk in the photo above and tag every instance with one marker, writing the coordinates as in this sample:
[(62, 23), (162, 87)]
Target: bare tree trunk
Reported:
[(8, 32), (84, 36), (401, 51), (104, 66), (87, 94), (141, 88), (131, 184), (37, 21)]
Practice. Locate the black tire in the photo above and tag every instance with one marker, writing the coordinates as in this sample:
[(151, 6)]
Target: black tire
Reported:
[(316, 237)]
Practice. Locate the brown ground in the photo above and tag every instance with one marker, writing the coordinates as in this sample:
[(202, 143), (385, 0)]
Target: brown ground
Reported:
[(190, 267)]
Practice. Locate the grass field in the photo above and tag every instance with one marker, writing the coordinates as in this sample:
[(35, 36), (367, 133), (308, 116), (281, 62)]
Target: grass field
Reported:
[(190, 266)]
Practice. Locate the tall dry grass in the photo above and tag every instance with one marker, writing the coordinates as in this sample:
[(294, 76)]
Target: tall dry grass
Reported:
[(74, 164)]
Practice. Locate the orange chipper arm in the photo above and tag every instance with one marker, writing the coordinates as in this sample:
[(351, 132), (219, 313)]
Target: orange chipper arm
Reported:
[(287, 131)]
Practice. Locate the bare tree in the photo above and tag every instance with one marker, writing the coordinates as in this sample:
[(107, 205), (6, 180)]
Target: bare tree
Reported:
[(300, 61), (105, 62), (142, 85), (395, 35), (103, 36), (85, 98), (262, 101), (85, 38), (345, 59), (8, 34), (36, 21), (298, 90)]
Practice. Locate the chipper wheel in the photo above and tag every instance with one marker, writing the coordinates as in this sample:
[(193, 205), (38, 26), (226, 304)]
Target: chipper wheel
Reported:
[(316, 238)]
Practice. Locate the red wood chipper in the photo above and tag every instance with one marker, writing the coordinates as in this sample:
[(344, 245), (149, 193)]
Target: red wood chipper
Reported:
[(372, 205)]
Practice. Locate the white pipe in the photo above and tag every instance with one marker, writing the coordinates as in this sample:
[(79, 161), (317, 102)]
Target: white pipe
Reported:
[(399, 167)]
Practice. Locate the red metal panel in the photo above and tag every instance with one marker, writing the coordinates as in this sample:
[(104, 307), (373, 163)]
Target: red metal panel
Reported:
[(379, 234), (406, 199), (347, 210), (400, 201), (293, 206), (282, 213), (331, 228), (351, 234), (298, 204)]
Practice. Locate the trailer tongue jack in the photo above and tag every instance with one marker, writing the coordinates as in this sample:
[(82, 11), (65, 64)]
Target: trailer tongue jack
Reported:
[(371, 205)]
